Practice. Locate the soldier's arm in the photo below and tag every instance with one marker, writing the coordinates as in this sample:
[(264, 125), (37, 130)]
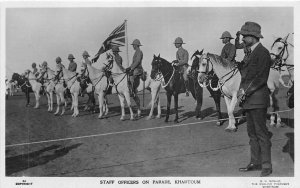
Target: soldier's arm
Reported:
[(231, 54), (119, 64), (136, 61)]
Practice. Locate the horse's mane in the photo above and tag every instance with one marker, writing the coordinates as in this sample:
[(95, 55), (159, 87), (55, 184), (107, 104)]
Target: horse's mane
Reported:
[(224, 62)]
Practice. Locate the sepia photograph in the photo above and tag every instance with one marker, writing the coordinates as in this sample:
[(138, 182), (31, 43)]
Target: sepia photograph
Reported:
[(161, 94)]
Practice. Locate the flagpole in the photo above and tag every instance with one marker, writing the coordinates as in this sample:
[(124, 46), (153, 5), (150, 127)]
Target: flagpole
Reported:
[(126, 38)]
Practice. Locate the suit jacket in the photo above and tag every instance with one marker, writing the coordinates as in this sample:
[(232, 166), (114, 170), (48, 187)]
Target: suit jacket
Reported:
[(255, 73)]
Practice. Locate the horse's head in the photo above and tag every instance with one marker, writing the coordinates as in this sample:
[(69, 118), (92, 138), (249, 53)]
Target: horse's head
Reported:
[(279, 50), (196, 56), (156, 65), (203, 68), (15, 77)]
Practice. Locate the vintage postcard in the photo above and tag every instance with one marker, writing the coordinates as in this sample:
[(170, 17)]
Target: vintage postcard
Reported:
[(148, 94)]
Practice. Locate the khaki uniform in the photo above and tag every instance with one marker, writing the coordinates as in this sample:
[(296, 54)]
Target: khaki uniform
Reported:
[(136, 65), (119, 61), (228, 52), (182, 56), (72, 66)]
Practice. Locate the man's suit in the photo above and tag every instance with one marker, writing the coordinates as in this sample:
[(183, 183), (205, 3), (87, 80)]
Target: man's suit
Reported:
[(255, 73)]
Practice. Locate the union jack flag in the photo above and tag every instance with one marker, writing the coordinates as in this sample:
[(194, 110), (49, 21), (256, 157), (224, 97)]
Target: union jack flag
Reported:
[(116, 38)]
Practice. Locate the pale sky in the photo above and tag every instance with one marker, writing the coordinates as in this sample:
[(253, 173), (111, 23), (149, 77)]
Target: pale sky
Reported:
[(38, 34)]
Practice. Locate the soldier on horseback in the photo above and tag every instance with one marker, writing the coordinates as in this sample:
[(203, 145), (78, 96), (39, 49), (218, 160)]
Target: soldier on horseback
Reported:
[(73, 65), (35, 70), (182, 58), (228, 52), (135, 70)]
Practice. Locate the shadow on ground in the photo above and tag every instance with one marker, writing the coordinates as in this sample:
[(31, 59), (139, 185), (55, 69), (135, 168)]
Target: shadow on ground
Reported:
[(36, 158)]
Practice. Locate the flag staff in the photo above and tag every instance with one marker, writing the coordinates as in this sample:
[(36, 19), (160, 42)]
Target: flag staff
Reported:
[(126, 38)]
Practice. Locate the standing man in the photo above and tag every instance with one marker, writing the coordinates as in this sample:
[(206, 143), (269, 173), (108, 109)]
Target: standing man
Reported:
[(228, 52), (135, 69), (254, 99), (73, 65), (182, 58)]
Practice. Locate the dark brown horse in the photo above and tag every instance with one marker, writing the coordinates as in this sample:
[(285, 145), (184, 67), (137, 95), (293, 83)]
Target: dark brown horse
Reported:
[(24, 84), (174, 85)]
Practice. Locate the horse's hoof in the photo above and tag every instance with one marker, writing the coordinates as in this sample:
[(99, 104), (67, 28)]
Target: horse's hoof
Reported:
[(157, 117), (122, 119), (272, 124), (100, 117), (199, 118), (278, 125), (218, 123), (132, 119), (231, 130), (149, 117)]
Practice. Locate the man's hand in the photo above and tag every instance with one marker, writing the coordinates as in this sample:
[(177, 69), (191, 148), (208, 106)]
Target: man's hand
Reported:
[(128, 70), (175, 62), (241, 96)]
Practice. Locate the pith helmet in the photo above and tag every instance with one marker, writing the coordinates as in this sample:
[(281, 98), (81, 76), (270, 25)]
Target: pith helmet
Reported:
[(58, 59), (251, 28), (85, 53), (44, 64), (136, 42), (33, 64), (71, 56), (226, 34), (178, 40), (115, 49)]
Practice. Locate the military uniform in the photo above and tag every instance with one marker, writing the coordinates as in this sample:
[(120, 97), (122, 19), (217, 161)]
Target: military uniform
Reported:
[(182, 56), (228, 52), (119, 61), (72, 66), (136, 65)]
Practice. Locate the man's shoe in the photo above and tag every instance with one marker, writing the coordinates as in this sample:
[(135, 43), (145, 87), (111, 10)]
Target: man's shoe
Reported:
[(251, 167), (266, 172)]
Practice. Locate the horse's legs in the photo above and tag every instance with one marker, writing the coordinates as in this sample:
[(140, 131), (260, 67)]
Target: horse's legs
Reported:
[(101, 102), (169, 96), (76, 111), (217, 99), (176, 107), (105, 106), (63, 102), (51, 101), (37, 98), (48, 99), (122, 103), (57, 103), (158, 107), (199, 98), (127, 97), (27, 95), (153, 98), (137, 101), (230, 103)]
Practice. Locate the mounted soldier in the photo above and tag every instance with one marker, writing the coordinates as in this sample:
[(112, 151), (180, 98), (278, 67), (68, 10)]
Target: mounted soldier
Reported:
[(35, 70), (72, 65), (182, 58), (135, 70), (229, 51)]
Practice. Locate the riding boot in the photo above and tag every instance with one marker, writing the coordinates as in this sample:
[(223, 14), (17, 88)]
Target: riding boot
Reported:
[(186, 84)]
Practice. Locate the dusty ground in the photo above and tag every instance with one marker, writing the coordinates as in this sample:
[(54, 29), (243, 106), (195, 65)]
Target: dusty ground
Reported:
[(199, 149)]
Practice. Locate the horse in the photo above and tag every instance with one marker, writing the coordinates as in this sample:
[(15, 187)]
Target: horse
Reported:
[(74, 86), (210, 82), (99, 86), (35, 85), (282, 58), (10, 88), (87, 88), (155, 85), (175, 85), (46, 76), (121, 86), (22, 82), (229, 81)]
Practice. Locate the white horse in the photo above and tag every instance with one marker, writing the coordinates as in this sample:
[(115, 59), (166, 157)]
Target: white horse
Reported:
[(282, 53), (74, 86), (155, 85), (11, 88), (121, 87), (99, 84), (35, 85), (229, 81), (47, 75), (59, 91)]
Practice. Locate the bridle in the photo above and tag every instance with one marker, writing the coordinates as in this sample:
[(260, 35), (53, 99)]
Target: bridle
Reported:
[(159, 75)]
